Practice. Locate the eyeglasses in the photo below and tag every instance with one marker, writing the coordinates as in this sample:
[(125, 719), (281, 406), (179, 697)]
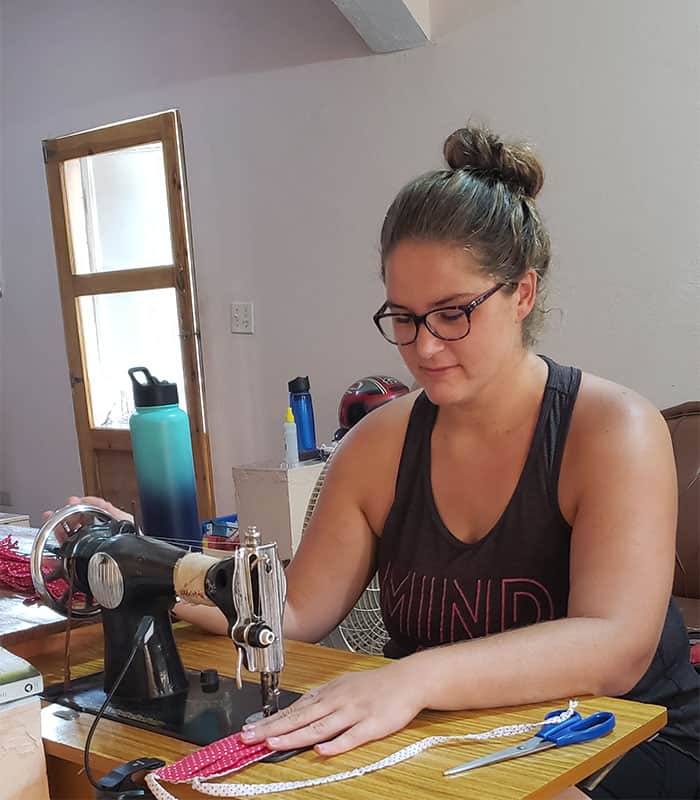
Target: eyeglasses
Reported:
[(449, 323)]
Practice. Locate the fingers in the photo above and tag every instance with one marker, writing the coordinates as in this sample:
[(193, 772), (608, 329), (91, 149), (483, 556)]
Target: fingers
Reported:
[(319, 730), (99, 502), (73, 500), (305, 711), (340, 715), (318, 716), (332, 734), (105, 505), (361, 733)]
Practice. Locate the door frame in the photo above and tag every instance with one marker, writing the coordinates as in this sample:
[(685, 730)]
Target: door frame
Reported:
[(165, 128)]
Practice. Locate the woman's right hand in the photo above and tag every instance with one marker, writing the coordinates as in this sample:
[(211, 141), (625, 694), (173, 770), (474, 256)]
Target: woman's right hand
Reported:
[(100, 502)]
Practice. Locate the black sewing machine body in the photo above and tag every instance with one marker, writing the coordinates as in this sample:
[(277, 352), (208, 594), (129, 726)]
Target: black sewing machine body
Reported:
[(124, 576), (195, 714), (132, 576)]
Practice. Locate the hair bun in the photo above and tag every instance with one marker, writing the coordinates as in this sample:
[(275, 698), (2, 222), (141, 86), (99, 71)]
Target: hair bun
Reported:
[(479, 151)]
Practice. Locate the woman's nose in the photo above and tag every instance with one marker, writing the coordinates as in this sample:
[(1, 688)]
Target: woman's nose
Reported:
[(427, 345)]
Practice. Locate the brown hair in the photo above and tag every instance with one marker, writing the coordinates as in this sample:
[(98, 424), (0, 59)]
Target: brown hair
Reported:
[(484, 202)]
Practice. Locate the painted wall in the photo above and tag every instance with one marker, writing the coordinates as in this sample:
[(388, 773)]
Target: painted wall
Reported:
[(2, 277), (296, 140)]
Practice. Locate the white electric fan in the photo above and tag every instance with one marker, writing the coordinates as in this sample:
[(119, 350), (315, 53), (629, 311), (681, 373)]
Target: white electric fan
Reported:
[(362, 631)]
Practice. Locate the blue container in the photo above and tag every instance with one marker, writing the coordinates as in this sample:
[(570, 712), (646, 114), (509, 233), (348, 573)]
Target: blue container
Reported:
[(226, 526), (303, 410), (162, 448)]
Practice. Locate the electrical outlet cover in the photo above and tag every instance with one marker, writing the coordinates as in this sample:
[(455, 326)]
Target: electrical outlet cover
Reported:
[(242, 318)]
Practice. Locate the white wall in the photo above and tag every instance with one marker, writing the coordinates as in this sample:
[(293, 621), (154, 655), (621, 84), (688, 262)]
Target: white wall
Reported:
[(2, 276), (297, 139)]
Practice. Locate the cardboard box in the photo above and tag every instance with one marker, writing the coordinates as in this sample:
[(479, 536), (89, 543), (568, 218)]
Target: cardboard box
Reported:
[(23, 761), (274, 499)]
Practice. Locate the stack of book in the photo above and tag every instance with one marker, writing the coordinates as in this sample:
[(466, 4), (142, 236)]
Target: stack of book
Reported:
[(18, 678), (24, 765)]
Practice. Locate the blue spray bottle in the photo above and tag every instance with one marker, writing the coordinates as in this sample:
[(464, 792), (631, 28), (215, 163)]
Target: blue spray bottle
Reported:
[(303, 410), (162, 448)]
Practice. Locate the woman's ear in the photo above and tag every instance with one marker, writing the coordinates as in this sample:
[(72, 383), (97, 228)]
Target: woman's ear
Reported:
[(526, 293)]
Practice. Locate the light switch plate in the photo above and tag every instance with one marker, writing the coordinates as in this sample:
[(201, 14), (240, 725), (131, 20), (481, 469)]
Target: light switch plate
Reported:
[(242, 318)]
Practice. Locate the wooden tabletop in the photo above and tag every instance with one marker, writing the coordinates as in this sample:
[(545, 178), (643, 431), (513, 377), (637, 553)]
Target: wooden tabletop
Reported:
[(20, 619), (537, 776)]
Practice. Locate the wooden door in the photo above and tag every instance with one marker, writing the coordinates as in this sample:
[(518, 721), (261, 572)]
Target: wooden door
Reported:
[(120, 222)]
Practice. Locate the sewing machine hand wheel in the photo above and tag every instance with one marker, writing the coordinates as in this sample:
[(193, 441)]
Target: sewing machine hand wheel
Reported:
[(50, 561)]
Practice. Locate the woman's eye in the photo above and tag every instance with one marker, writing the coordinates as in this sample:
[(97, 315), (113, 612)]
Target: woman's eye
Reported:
[(450, 315), (400, 319)]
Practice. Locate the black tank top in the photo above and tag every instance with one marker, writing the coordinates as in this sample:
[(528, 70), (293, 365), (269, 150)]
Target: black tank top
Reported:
[(436, 589)]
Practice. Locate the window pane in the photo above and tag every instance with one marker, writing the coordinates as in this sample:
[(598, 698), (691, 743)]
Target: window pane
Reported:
[(118, 210), (129, 329)]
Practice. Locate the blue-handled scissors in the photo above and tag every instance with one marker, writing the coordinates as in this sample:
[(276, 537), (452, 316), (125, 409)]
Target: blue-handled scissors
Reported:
[(573, 730)]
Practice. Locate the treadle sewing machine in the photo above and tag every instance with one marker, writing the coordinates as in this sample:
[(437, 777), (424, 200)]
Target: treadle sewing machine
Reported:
[(84, 562)]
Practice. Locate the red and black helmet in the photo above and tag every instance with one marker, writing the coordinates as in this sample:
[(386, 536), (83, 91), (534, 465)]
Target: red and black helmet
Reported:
[(363, 396)]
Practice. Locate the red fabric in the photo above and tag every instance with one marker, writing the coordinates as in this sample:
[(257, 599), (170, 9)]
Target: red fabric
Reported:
[(15, 571), (695, 653), (218, 758)]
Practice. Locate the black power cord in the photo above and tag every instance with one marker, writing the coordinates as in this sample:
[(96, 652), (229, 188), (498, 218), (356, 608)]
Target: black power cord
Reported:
[(143, 634)]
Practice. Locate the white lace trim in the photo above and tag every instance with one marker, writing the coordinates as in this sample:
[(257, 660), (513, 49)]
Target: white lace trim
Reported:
[(255, 789)]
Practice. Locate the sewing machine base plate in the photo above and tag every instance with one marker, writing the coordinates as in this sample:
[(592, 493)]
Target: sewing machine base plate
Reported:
[(195, 716)]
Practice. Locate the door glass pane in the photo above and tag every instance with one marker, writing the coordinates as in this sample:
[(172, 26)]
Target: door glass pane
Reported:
[(118, 210), (128, 329)]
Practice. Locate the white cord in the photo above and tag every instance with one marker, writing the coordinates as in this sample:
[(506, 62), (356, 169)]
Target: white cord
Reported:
[(255, 789)]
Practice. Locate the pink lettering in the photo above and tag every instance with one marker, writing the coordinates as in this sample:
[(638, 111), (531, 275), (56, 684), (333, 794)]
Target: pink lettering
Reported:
[(430, 605), (442, 612), (420, 607), (460, 609), (517, 594), (395, 594), (473, 610)]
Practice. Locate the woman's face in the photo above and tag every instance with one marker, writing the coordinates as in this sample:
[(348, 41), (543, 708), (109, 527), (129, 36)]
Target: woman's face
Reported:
[(421, 276)]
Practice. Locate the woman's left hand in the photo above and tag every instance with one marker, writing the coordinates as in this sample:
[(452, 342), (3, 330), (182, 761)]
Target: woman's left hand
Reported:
[(348, 711)]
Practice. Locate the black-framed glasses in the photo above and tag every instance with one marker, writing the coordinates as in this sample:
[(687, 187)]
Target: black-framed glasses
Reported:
[(449, 323)]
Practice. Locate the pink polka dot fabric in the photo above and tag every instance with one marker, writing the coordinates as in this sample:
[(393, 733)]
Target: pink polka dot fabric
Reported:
[(237, 755), (219, 758)]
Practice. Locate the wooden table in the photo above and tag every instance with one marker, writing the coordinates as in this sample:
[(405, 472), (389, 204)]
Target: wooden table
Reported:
[(22, 621), (538, 776)]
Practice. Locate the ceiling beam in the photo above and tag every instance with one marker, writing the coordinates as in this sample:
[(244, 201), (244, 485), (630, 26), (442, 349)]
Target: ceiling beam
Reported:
[(389, 25)]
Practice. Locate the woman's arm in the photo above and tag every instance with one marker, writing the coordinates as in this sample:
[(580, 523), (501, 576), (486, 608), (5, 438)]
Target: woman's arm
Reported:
[(619, 461), (333, 564), (335, 559)]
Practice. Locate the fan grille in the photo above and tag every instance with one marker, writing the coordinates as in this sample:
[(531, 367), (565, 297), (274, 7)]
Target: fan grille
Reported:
[(362, 631)]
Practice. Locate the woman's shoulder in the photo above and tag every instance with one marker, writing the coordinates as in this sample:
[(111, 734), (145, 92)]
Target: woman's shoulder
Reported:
[(367, 459), (616, 436), (384, 429), (610, 420), (372, 448), (605, 406)]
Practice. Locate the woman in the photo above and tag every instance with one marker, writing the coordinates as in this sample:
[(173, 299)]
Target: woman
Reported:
[(513, 508)]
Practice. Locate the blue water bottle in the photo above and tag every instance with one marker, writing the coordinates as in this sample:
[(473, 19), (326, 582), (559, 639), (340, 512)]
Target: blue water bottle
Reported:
[(162, 448), (303, 410)]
